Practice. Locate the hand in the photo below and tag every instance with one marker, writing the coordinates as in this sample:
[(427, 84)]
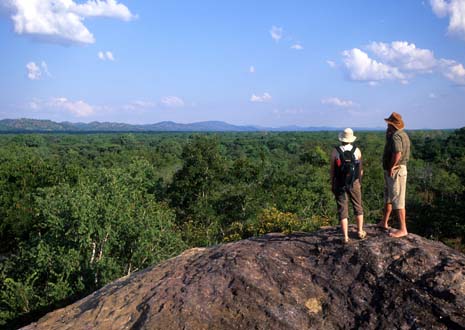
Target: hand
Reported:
[(393, 170)]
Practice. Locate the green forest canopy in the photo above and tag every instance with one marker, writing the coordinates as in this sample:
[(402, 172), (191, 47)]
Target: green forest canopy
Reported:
[(80, 210)]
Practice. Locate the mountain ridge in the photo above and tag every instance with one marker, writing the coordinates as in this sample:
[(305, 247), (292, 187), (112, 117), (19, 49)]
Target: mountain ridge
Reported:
[(27, 125)]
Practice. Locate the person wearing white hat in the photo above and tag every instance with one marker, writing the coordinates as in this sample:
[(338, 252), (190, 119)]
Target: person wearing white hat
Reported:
[(345, 174)]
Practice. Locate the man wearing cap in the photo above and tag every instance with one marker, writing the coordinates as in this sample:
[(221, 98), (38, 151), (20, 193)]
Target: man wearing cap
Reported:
[(343, 193), (395, 158)]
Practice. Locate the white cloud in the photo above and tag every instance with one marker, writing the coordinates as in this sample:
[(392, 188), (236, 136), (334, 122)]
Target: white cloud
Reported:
[(439, 7), (144, 104), (102, 8), (252, 69), (34, 105), (62, 20), (338, 102), (456, 10), (432, 96), (110, 56), (453, 71), (292, 111), (45, 68), (33, 71), (172, 102), (404, 55), (276, 33), (362, 68), (399, 61), (332, 64), (78, 108), (139, 105), (106, 56), (297, 47), (287, 113), (266, 97)]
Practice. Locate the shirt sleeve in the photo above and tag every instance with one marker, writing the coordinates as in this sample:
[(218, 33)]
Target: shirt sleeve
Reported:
[(397, 144)]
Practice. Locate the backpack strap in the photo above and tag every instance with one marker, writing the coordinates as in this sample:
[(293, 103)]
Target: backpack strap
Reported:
[(341, 152), (352, 152), (345, 180), (357, 163)]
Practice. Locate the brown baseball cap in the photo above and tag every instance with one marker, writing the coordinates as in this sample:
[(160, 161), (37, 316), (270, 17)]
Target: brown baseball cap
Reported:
[(395, 120)]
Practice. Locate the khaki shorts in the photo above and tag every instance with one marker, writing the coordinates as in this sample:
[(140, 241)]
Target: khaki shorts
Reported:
[(355, 196), (395, 188)]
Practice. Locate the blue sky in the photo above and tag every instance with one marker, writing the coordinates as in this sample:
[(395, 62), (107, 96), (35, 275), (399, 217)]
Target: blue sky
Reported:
[(268, 63)]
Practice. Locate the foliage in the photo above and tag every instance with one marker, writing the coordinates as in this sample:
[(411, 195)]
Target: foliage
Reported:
[(80, 210), (85, 235), (272, 220)]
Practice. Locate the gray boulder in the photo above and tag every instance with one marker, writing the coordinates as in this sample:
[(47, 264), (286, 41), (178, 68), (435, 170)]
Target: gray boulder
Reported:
[(298, 281)]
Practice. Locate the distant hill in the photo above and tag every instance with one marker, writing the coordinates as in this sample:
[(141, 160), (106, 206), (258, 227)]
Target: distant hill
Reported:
[(24, 125), (36, 125)]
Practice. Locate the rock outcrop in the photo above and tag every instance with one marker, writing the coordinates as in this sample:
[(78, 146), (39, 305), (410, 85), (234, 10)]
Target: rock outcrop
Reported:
[(298, 281)]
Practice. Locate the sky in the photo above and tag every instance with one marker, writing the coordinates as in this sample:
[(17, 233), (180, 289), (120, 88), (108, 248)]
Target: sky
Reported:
[(266, 63)]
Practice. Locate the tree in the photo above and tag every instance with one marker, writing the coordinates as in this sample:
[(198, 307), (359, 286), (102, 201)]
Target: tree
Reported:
[(195, 185), (85, 235)]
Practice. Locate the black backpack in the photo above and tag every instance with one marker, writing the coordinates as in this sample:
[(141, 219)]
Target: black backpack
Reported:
[(347, 168)]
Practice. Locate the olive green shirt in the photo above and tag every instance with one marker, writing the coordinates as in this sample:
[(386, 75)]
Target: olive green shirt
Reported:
[(398, 142)]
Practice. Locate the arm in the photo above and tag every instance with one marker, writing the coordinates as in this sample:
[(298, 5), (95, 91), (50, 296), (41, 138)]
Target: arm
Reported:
[(394, 162), (396, 153), (359, 157), (332, 169)]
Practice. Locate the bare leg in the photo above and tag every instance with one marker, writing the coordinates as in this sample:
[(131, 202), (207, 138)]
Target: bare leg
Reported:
[(403, 224), (361, 232), (387, 213), (345, 229), (359, 222)]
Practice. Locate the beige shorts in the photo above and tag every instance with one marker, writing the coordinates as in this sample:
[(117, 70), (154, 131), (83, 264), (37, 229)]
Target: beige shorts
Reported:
[(395, 187)]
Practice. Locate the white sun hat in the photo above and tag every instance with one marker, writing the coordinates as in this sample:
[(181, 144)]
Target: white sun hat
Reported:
[(347, 136)]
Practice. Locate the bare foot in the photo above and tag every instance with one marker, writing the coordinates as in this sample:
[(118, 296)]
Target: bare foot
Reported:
[(382, 225), (398, 233)]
